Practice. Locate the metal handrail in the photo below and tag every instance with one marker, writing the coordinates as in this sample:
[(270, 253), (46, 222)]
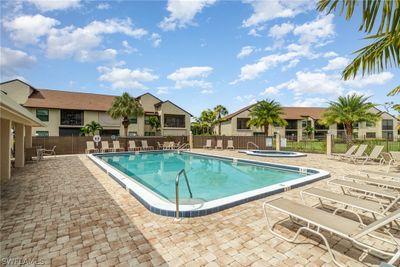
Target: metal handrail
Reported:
[(183, 146), (177, 191), (253, 145)]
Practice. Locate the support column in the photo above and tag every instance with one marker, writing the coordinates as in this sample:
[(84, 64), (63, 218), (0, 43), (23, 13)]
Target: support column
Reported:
[(28, 136), (328, 144), (5, 149), (191, 140), (19, 145), (278, 142)]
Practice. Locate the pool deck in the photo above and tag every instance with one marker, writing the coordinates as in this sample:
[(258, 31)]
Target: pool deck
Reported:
[(65, 211)]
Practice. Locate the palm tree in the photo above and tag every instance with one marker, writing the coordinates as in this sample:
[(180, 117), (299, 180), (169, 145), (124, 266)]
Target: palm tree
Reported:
[(91, 128), (384, 51), (209, 119), (124, 107), (265, 113), (155, 123), (349, 110), (220, 111)]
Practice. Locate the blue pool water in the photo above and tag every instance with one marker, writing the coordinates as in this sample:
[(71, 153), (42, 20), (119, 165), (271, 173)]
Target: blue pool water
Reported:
[(210, 178)]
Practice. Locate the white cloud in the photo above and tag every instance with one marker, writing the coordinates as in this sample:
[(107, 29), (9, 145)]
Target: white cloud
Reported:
[(245, 51), (310, 102), (270, 91), (124, 78), (330, 54), (96, 55), (191, 77), (253, 32), (162, 90), (49, 5), (244, 98), (71, 41), (315, 82), (182, 13), (28, 29), (264, 11), (206, 91), (279, 31), (103, 6), (336, 63), (156, 39), (128, 48), (316, 31), (12, 60), (373, 79), (293, 63)]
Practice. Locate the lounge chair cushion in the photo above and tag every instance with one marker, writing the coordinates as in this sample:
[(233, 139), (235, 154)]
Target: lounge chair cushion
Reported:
[(366, 188)]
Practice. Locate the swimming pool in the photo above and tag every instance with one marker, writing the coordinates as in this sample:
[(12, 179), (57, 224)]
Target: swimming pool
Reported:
[(274, 154), (216, 183)]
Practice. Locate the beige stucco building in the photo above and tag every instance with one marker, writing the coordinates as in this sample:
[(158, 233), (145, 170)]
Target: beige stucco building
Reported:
[(64, 113), (299, 118)]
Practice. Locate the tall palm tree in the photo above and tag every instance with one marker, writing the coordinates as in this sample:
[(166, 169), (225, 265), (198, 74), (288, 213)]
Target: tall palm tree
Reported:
[(348, 110), (265, 113), (220, 111), (91, 128), (209, 118), (124, 107), (384, 50)]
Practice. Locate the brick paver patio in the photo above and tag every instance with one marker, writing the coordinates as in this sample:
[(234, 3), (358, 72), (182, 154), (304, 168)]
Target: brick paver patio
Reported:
[(66, 211)]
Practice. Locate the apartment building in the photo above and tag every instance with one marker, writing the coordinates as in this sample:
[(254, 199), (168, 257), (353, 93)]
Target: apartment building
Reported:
[(65, 113), (298, 118)]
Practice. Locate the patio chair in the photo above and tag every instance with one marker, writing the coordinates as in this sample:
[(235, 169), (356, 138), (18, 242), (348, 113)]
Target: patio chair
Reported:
[(387, 159), (348, 153), (316, 220), (377, 182), (366, 190), (219, 145), (117, 147), (159, 146), (359, 153), (390, 175), (145, 146), (90, 147), (230, 145), (208, 144), (105, 147), (49, 152), (375, 155), (132, 146), (350, 203), (395, 155)]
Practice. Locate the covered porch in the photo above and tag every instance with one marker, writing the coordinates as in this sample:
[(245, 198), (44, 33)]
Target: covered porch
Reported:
[(16, 124)]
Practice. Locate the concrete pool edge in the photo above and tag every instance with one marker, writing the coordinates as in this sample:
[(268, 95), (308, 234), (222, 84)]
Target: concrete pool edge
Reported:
[(156, 204), (274, 153)]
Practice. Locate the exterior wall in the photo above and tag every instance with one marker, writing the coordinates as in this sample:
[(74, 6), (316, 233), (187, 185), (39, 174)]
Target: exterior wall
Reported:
[(17, 90), (148, 101), (169, 108), (52, 126)]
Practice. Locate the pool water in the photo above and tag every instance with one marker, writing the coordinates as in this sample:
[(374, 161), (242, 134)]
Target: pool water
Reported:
[(210, 178)]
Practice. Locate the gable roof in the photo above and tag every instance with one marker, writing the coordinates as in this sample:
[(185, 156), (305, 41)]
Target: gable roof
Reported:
[(18, 80), (163, 102), (150, 94), (290, 113)]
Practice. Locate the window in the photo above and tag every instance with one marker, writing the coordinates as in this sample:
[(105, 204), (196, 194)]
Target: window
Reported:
[(370, 124), (387, 124), (71, 117), (42, 114), (149, 133), (292, 124), (304, 123), (174, 121), (340, 126), (258, 134), (319, 126), (109, 132), (387, 135), (133, 120), (42, 133), (242, 123), (69, 131), (370, 135)]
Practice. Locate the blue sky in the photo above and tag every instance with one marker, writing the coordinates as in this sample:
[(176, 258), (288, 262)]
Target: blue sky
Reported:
[(195, 53)]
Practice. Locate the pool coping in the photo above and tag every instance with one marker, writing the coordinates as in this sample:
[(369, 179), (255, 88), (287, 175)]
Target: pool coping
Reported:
[(161, 206), (289, 154)]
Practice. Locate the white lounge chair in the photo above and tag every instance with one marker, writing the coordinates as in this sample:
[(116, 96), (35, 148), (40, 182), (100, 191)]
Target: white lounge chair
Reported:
[(378, 182), (145, 146), (316, 220), (90, 147), (373, 156), (359, 153), (49, 152), (117, 147), (105, 147), (230, 145), (159, 146), (208, 144), (132, 146), (390, 175), (219, 145), (348, 153)]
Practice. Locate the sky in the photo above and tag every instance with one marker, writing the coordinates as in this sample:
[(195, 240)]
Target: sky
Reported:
[(198, 54)]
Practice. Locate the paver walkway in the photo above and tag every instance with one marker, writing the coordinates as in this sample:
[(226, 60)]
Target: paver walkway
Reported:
[(66, 211)]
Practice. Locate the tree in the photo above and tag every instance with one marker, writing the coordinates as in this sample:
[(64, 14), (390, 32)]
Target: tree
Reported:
[(349, 110), (309, 130), (265, 113), (91, 128), (384, 50), (124, 107), (155, 123), (220, 111)]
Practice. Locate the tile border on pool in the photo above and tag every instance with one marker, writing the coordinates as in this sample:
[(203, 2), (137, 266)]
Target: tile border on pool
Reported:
[(163, 207)]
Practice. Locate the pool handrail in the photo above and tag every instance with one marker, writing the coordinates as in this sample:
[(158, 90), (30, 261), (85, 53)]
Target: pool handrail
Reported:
[(177, 191), (252, 143)]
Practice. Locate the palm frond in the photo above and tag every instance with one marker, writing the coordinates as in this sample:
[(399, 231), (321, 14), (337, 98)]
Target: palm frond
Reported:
[(395, 91)]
